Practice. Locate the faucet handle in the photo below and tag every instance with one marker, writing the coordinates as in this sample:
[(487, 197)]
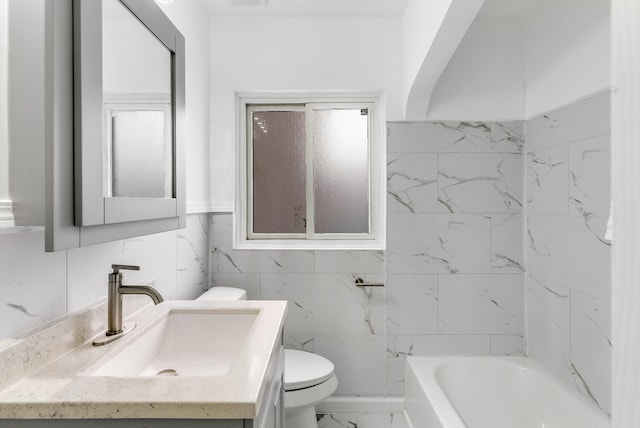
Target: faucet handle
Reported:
[(117, 268)]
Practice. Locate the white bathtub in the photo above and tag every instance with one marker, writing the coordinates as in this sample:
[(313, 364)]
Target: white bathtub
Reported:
[(492, 392)]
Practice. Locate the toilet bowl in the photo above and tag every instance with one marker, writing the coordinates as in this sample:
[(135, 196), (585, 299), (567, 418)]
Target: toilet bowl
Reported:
[(309, 379)]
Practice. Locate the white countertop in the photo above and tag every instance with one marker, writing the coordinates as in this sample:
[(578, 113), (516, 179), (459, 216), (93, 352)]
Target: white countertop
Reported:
[(53, 369)]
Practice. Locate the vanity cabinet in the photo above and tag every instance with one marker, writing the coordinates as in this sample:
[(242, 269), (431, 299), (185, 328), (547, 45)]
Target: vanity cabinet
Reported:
[(270, 415)]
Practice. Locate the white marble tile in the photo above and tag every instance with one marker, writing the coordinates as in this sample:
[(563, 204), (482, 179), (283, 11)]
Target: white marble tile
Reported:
[(412, 304), (362, 420), (506, 243), (589, 177), (32, 283), (548, 181), (192, 257), (412, 183), (247, 281), (438, 243), (577, 121), (480, 304), (156, 256), (322, 303), (221, 230), (549, 328), (507, 137), (349, 261), (88, 267), (358, 359), (479, 182), (228, 260), (401, 346), (507, 344), (548, 253), (591, 347), (299, 341), (438, 137), (88, 270), (589, 256)]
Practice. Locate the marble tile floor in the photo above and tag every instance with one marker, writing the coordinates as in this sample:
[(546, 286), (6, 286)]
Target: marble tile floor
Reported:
[(363, 420)]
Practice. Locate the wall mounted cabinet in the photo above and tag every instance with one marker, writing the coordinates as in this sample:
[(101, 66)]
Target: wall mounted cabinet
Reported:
[(81, 205)]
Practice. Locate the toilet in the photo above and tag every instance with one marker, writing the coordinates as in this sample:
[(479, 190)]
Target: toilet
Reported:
[(309, 379)]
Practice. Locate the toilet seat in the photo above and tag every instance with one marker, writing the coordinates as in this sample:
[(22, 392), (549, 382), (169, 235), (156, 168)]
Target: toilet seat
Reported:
[(304, 370)]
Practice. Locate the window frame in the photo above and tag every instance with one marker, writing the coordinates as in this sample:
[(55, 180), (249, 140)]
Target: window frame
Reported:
[(243, 238)]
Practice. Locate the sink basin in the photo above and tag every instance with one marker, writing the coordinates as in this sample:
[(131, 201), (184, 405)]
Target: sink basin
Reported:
[(187, 342)]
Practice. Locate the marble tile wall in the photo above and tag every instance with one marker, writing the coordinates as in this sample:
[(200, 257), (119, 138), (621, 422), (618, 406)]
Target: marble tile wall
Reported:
[(568, 266), (36, 287), (452, 269)]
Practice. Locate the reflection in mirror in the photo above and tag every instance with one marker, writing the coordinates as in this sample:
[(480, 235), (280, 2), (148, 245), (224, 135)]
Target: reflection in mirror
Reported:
[(137, 109)]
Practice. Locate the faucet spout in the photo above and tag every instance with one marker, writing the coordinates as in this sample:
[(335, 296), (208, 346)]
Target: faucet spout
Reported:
[(142, 289)]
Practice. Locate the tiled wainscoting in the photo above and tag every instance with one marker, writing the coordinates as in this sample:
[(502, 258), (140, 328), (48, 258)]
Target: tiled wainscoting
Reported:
[(568, 279), (452, 269), (36, 287)]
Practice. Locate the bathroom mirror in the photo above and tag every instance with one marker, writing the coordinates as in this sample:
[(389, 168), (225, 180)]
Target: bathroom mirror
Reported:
[(128, 107)]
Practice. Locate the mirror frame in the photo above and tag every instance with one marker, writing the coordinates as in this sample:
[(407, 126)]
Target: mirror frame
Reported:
[(92, 208)]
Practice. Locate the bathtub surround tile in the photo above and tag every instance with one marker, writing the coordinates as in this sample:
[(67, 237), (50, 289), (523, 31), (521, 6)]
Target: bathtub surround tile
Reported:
[(591, 347), (547, 185), (480, 304), (349, 261), (412, 183), (358, 359), (439, 243), (549, 327), (250, 282), (192, 257), (401, 346), (589, 256), (507, 137), (589, 177), (506, 243), (432, 137), (568, 281), (507, 344), (479, 182), (584, 119), (548, 251), (412, 304), (32, 283)]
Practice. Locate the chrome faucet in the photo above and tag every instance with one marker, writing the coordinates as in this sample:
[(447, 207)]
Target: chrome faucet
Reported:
[(117, 289)]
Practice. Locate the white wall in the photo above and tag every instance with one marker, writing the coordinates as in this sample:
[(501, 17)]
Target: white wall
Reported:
[(567, 48), (192, 21), (284, 53), (484, 79)]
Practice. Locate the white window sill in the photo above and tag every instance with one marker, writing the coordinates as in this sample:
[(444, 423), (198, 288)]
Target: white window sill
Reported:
[(309, 245)]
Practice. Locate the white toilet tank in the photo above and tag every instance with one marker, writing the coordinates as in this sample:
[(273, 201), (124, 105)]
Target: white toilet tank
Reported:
[(224, 293)]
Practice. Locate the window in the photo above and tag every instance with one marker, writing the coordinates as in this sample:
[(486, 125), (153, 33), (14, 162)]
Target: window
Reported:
[(310, 172)]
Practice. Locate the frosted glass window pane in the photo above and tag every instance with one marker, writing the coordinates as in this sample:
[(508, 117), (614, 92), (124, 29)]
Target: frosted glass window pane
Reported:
[(279, 177), (141, 155), (341, 171)]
